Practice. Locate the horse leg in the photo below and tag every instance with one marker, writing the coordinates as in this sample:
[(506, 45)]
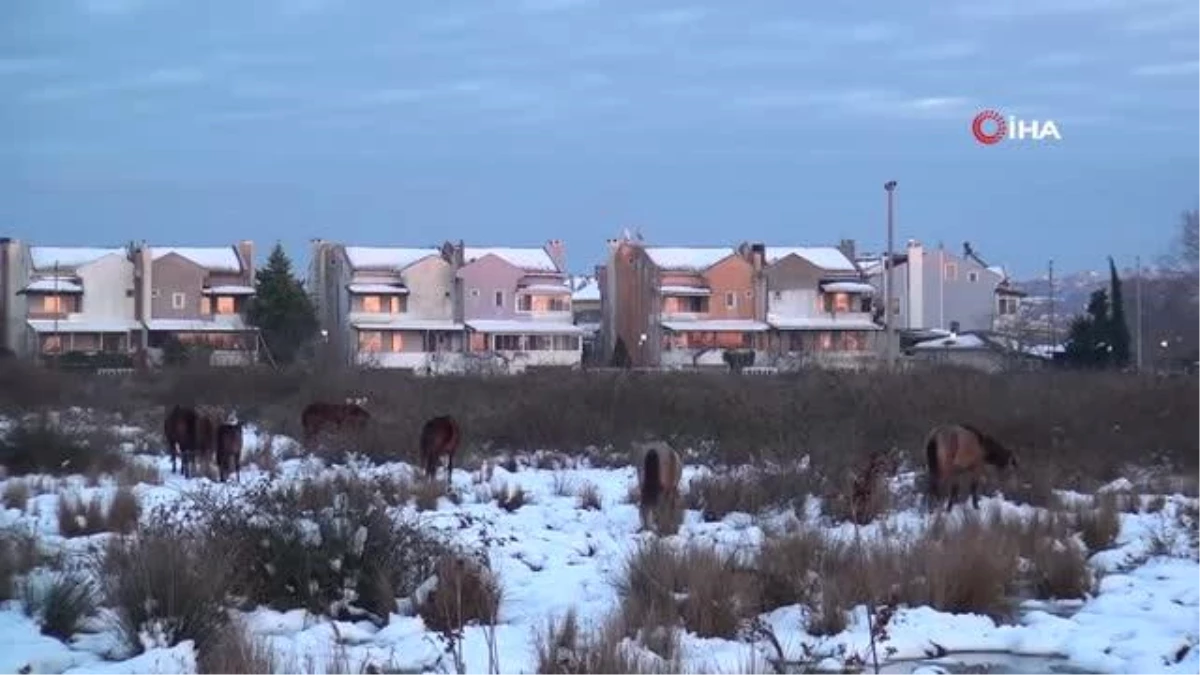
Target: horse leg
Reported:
[(975, 493), (449, 470), (953, 497)]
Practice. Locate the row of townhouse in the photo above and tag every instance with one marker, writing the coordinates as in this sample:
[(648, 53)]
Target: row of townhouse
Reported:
[(126, 300), (452, 308), (791, 306)]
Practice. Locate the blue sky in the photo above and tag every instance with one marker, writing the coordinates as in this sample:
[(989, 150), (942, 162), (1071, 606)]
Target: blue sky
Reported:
[(514, 121)]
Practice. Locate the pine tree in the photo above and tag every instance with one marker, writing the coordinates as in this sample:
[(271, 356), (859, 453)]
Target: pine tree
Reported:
[(281, 309), (1118, 328), (1088, 342)]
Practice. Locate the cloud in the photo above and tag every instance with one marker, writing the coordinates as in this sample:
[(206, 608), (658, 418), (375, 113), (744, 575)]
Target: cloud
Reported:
[(1167, 69), (162, 78), (867, 102), (673, 17)]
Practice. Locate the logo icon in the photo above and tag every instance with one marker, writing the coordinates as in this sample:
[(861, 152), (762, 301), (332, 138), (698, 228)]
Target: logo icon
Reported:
[(990, 127), (980, 127)]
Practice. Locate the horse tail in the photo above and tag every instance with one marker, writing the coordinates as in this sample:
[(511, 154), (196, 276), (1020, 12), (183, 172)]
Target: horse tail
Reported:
[(429, 434), (932, 461), (651, 479)]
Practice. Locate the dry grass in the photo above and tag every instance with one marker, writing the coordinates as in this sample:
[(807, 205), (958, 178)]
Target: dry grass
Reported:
[(1099, 525), (16, 494), (78, 517), (18, 555), (41, 446), (564, 648), (466, 591), (234, 650), (427, 493), (134, 473), (511, 498), (61, 603), (589, 497)]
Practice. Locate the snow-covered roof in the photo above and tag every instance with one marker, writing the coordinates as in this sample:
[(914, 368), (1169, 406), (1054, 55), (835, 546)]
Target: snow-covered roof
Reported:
[(967, 341), (684, 290), (523, 327), (213, 258), (53, 285), (220, 323), (589, 327), (716, 325), (386, 258), (825, 257), (586, 289), (848, 287), (83, 325), (406, 324), (821, 323), (560, 289), (229, 289), (377, 289), (46, 257), (998, 269), (693, 259), (531, 259)]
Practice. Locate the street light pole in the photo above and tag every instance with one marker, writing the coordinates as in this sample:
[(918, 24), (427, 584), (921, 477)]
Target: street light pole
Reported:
[(889, 325)]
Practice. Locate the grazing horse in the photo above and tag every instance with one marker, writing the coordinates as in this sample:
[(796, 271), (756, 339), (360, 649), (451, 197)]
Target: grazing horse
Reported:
[(439, 438), (959, 451), (659, 469), (319, 416), (179, 431), (229, 450)]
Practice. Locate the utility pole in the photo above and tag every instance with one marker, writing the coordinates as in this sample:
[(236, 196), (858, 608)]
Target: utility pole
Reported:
[(1138, 291), (1053, 326), (890, 327)]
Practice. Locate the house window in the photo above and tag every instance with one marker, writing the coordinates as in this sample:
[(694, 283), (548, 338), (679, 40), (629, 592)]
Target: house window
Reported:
[(178, 300), (864, 303), (748, 294), (1008, 305), (836, 302), (370, 341), (559, 304), (52, 304), (154, 293), (778, 295), (853, 341), (972, 276), (896, 306), (824, 341), (51, 344), (499, 298), (730, 300), (951, 272), (566, 343), (372, 304), (506, 343), (539, 343), (396, 341), (474, 292), (525, 303), (226, 305)]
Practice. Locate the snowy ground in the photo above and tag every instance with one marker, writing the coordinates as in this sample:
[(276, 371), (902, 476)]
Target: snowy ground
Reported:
[(551, 556)]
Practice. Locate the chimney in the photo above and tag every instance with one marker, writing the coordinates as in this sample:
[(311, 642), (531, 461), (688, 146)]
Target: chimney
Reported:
[(847, 247), (460, 254), (758, 255), (245, 249), (558, 253)]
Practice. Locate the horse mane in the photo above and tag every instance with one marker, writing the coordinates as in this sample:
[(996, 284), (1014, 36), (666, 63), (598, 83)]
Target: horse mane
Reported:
[(994, 452)]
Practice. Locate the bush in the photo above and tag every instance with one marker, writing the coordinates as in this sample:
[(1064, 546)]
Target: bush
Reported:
[(80, 518), (332, 552), (18, 555), (61, 603), (234, 650), (1100, 525), (40, 447), (466, 591), (589, 497), (565, 649), (1060, 570), (165, 586)]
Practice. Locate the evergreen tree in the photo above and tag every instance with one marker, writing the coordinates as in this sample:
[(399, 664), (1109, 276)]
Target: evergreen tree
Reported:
[(281, 309), (1088, 343), (1118, 328)]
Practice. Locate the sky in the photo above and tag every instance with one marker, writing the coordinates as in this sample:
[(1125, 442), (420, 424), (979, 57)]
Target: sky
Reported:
[(511, 122)]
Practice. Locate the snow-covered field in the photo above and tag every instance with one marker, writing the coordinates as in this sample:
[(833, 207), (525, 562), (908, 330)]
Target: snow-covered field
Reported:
[(550, 556)]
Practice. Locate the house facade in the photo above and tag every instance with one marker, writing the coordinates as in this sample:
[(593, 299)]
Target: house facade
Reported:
[(388, 307), (585, 307), (819, 309), (680, 307), (936, 289), (196, 296), (516, 306)]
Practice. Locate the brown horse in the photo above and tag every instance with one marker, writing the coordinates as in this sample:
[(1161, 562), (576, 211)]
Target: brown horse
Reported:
[(659, 469), (958, 452), (191, 434), (229, 450), (439, 438), (320, 416)]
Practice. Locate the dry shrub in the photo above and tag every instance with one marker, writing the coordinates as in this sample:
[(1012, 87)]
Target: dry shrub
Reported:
[(345, 557), (18, 555), (123, 511), (968, 569), (134, 473), (1100, 525), (566, 649), (78, 517), (235, 650), (467, 590), (589, 497), (511, 498), (165, 584), (749, 491), (61, 603), (16, 494), (707, 591), (40, 446), (563, 485), (427, 494), (789, 568), (1035, 486), (1059, 569)]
